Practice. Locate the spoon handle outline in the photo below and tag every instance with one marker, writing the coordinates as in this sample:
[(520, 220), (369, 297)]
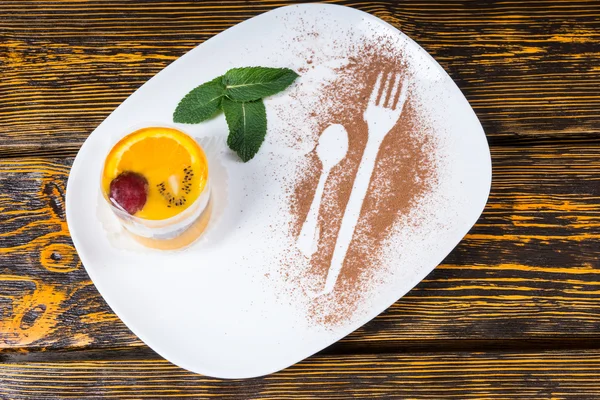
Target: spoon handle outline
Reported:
[(309, 235)]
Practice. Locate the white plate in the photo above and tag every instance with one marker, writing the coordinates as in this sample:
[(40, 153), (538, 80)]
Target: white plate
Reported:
[(221, 307)]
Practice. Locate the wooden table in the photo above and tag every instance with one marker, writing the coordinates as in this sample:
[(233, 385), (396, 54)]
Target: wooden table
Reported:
[(513, 312)]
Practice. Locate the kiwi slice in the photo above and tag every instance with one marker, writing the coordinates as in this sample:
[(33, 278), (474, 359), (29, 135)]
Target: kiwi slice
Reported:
[(186, 187)]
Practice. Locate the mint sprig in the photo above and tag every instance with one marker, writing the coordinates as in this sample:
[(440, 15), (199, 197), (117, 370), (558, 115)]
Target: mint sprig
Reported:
[(253, 83), (247, 123), (201, 103), (239, 95)]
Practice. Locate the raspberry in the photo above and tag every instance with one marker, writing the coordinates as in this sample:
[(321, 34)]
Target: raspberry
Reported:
[(130, 191)]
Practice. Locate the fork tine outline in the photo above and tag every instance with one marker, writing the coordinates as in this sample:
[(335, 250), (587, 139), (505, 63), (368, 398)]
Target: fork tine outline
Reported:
[(392, 99), (385, 91), (375, 92), (403, 94)]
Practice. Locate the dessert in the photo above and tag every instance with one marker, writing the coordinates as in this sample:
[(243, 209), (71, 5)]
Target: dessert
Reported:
[(156, 181)]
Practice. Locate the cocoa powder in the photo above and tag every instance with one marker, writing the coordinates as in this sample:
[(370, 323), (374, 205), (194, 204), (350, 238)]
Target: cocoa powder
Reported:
[(405, 171)]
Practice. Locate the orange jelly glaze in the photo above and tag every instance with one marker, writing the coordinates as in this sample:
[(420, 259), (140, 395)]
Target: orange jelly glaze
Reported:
[(164, 157)]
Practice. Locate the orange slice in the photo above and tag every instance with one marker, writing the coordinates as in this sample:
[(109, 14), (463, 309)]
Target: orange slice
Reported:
[(173, 163)]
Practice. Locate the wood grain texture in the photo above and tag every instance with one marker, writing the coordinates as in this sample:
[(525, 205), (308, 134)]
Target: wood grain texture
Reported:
[(530, 70), (547, 375), (529, 269), (525, 280)]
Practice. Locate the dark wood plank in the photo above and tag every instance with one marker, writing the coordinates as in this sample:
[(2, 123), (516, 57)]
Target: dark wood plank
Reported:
[(529, 270), (546, 375), (530, 70)]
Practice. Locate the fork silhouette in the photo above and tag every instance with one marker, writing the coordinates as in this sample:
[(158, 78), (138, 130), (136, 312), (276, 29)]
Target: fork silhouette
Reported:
[(381, 115)]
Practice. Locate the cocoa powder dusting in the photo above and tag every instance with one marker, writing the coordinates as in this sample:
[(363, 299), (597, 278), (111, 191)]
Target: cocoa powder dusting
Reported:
[(405, 171)]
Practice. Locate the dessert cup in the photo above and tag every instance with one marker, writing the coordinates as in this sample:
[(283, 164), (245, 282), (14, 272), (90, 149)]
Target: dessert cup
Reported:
[(178, 230)]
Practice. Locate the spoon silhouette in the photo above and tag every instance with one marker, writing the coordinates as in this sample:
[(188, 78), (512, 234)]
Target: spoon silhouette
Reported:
[(332, 148)]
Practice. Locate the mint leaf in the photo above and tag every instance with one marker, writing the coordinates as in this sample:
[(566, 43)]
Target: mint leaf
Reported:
[(253, 83), (201, 103), (247, 126)]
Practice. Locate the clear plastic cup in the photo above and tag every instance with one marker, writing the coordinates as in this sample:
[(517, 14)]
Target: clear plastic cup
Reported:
[(161, 229)]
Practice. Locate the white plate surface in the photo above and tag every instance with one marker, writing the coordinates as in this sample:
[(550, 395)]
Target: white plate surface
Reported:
[(219, 308)]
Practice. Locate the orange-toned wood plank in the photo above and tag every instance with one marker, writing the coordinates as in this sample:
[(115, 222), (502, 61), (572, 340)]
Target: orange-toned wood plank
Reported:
[(531, 71), (495, 375), (529, 269)]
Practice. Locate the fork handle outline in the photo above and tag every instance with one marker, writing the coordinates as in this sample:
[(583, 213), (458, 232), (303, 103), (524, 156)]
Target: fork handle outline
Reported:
[(353, 208)]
